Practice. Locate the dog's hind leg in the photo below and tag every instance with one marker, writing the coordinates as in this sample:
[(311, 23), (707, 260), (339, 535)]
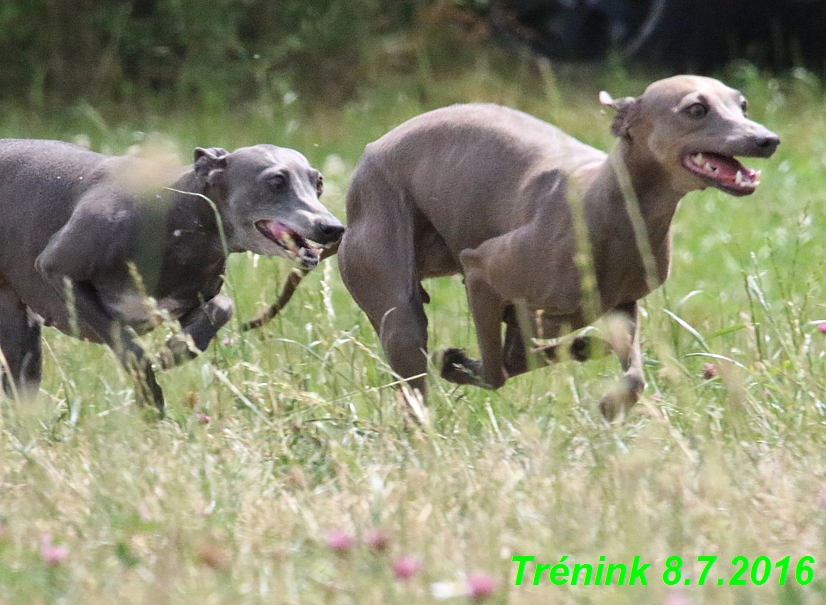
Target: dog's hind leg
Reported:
[(199, 328), (21, 346), (397, 314), (377, 263), (403, 333)]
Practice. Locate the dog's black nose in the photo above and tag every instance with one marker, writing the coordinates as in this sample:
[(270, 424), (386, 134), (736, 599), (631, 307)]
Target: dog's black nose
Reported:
[(768, 141), (328, 233)]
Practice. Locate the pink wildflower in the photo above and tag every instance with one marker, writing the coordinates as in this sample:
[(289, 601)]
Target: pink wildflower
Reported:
[(202, 418), (709, 371), (339, 540), (676, 598), (480, 586), (50, 553), (144, 513), (822, 327), (405, 567)]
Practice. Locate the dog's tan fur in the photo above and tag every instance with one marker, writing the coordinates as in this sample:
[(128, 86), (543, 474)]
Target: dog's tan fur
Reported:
[(493, 193)]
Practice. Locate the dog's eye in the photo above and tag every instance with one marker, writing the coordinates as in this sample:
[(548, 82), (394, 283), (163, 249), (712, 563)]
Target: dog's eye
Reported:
[(745, 107), (319, 185), (697, 110), (276, 181)]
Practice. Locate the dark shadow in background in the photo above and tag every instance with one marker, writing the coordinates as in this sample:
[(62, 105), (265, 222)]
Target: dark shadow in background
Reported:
[(685, 35)]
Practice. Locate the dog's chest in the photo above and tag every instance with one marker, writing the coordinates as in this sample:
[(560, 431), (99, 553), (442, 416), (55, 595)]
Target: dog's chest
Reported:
[(142, 313), (193, 267), (191, 273)]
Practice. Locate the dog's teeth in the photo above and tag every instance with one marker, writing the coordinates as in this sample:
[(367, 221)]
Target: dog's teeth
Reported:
[(698, 159), (289, 241), (707, 166), (738, 179)]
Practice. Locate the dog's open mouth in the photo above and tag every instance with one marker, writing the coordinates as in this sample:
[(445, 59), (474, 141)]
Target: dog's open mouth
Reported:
[(724, 172), (306, 252)]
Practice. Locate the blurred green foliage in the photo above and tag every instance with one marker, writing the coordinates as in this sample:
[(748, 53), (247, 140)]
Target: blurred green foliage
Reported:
[(215, 52)]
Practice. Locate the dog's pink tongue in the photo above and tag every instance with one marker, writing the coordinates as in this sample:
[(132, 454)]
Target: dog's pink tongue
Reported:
[(727, 168), (277, 229)]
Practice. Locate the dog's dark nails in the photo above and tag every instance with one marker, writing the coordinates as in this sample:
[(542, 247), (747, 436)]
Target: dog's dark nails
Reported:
[(581, 348), (458, 368)]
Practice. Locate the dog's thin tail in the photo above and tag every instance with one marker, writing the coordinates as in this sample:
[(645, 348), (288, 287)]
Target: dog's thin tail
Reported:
[(290, 286)]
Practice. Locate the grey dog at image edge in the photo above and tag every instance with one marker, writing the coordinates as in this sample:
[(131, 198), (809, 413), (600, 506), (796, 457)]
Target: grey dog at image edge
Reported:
[(500, 196), (85, 238)]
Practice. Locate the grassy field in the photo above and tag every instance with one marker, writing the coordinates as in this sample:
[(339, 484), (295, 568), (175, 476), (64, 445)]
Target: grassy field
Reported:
[(278, 498)]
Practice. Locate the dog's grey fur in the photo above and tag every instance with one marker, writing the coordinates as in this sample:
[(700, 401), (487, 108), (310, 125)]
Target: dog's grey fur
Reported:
[(85, 238), (487, 191)]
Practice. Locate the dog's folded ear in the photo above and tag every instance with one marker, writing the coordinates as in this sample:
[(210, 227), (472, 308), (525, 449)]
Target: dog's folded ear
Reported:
[(625, 108), (208, 161)]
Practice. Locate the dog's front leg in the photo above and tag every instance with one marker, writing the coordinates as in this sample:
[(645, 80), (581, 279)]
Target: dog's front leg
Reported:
[(199, 328), (487, 309), (93, 247), (521, 358), (627, 347), (92, 317), (88, 319), (515, 352)]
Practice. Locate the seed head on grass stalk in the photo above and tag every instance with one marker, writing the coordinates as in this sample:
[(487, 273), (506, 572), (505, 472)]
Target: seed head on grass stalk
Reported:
[(376, 540)]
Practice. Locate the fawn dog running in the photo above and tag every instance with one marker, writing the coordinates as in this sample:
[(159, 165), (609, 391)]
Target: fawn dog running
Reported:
[(490, 192)]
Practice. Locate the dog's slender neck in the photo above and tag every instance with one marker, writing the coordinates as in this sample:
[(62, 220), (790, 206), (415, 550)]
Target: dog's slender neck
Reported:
[(629, 207), (652, 186), (188, 203)]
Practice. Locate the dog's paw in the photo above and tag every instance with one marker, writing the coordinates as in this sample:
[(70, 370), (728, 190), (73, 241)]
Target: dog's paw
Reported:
[(581, 348), (179, 349), (619, 400), (148, 393), (458, 368)]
